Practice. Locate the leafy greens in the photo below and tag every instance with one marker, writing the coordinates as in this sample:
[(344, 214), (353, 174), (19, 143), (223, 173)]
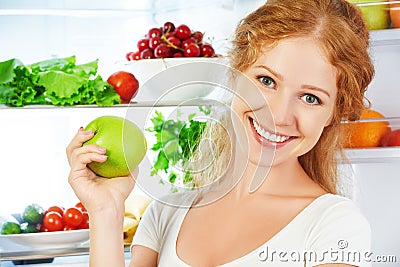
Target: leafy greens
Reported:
[(58, 81), (176, 141)]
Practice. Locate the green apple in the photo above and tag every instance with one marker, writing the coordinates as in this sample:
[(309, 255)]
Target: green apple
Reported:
[(124, 142), (375, 13)]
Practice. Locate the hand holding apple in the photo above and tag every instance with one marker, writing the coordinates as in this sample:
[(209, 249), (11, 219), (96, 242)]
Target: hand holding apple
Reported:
[(124, 142)]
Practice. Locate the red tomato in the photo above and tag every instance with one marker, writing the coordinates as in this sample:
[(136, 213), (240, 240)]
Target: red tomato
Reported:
[(85, 222), (125, 84), (69, 228), (80, 206), (73, 216), (43, 229), (53, 221), (58, 209)]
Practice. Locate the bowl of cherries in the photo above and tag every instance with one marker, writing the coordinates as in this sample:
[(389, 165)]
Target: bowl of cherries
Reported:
[(168, 46)]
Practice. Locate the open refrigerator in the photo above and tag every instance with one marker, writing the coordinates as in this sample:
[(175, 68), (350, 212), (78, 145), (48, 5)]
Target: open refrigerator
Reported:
[(33, 164)]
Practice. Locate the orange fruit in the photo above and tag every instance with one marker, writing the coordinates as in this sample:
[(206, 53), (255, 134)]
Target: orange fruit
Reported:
[(394, 10), (368, 133)]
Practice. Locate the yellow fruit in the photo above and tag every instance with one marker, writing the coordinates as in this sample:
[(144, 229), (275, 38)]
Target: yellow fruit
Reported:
[(365, 134), (129, 228), (135, 205)]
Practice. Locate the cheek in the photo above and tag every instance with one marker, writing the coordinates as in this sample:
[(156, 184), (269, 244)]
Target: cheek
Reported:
[(248, 94), (314, 123)]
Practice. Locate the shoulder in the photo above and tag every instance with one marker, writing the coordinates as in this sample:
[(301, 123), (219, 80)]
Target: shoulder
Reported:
[(336, 206), (339, 226), (169, 205), (339, 218)]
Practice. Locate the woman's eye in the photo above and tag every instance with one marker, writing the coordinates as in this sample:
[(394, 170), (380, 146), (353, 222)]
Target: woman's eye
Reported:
[(267, 81), (311, 99)]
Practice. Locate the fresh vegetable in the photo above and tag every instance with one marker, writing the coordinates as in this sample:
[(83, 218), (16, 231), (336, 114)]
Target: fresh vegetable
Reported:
[(80, 206), (85, 221), (33, 214), (73, 216), (57, 209), (27, 228), (125, 84), (10, 228), (53, 221), (59, 82), (176, 140)]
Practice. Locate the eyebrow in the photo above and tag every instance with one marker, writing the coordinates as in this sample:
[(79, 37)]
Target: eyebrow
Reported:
[(312, 87), (305, 86)]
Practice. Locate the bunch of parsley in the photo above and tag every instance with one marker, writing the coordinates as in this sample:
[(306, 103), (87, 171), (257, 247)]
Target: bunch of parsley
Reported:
[(176, 141), (59, 82)]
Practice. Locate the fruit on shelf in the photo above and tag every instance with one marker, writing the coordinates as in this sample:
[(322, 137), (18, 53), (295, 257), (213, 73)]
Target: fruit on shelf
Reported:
[(391, 139), (125, 85), (170, 41), (395, 13), (375, 13), (124, 142), (135, 206), (368, 132)]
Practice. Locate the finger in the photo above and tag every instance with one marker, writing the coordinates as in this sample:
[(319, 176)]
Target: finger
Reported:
[(85, 150), (78, 140), (80, 161)]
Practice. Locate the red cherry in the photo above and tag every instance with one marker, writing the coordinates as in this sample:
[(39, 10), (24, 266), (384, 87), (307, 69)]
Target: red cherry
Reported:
[(174, 41), (177, 54), (198, 36), (154, 42), (169, 34), (128, 56), (206, 50), (142, 44), (154, 32), (192, 50), (162, 51), (183, 32), (168, 27), (135, 55), (188, 41), (146, 54)]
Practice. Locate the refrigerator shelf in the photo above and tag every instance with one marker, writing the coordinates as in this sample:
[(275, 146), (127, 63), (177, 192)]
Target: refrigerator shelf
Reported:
[(373, 155), (385, 37)]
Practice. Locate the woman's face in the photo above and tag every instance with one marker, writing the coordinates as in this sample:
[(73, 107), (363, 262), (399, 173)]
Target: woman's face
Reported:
[(284, 101)]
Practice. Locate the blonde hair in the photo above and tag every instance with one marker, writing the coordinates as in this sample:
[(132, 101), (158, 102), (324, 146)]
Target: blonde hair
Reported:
[(339, 28)]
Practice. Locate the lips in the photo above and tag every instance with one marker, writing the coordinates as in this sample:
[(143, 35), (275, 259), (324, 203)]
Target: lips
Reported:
[(265, 136)]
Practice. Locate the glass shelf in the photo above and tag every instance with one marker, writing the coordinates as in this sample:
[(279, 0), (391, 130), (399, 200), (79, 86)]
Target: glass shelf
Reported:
[(385, 37), (373, 155), (167, 103), (36, 254)]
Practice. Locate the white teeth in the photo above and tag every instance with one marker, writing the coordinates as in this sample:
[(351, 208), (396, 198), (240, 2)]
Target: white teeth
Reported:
[(269, 136)]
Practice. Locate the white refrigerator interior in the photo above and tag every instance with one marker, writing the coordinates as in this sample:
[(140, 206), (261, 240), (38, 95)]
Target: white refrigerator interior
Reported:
[(33, 165)]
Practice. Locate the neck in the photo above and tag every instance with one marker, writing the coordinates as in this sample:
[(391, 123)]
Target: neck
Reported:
[(277, 179)]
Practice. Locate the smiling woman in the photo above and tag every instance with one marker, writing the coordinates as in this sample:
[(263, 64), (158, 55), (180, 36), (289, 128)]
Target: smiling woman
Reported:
[(298, 69)]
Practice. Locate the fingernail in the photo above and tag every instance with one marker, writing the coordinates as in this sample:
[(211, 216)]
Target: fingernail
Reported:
[(104, 156), (88, 132), (101, 149)]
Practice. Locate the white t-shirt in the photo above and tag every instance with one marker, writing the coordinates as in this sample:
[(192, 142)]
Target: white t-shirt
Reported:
[(329, 230)]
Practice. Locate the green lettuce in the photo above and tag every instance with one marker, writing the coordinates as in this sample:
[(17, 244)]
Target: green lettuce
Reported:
[(59, 82)]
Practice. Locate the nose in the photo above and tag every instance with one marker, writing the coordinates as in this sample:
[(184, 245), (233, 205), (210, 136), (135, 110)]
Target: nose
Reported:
[(282, 109)]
